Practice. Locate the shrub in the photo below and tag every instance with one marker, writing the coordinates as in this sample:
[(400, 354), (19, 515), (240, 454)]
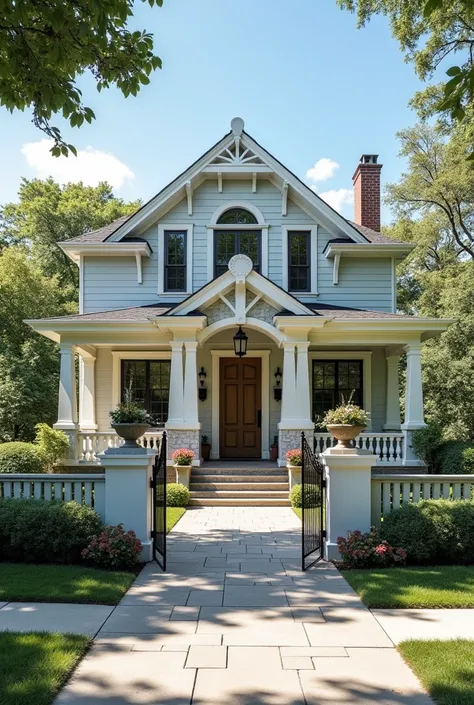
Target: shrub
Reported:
[(455, 458), (433, 531), (36, 531), (22, 457), (114, 549), (183, 456), (312, 496), (54, 444), (426, 442), (368, 550), (177, 495), (294, 457)]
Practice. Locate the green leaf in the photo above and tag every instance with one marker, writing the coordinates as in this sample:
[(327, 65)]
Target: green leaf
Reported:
[(453, 71), (430, 6)]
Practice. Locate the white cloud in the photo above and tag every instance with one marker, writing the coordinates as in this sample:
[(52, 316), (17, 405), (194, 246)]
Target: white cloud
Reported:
[(90, 166), (323, 170), (338, 198)]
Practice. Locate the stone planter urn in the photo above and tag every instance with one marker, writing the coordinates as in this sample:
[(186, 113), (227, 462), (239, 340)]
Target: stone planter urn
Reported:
[(294, 475), (344, 433), (130, 432), (183, 474)]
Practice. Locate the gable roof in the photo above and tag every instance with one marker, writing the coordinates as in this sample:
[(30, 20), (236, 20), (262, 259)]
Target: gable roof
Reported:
[(215, 159)]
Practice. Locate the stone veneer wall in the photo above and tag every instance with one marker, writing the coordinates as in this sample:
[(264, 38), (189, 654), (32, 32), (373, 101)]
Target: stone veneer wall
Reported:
[(184, 439), (287, 440)]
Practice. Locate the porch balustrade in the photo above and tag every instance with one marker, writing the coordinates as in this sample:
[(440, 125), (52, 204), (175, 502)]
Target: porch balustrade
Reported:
[(388, 447), (91, 444)]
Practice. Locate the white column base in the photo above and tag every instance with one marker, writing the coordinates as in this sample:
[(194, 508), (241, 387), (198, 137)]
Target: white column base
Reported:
[(348, 494), (391, 427)]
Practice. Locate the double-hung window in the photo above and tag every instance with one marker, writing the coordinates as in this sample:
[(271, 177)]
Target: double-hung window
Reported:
[(175, 260), (299, 260), (148, 382), (333, 381)]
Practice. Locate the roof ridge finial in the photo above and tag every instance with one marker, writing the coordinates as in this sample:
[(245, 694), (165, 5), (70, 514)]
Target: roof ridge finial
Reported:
[(237, 126)]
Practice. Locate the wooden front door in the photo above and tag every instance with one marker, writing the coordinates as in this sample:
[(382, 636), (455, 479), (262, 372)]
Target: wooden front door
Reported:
[(240, 408)]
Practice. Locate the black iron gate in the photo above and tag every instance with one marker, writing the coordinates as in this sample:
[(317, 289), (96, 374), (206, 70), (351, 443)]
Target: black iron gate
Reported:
[(158, 489), (312, 503)]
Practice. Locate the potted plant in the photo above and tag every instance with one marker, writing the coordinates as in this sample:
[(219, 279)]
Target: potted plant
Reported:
[(205, 447), (294, 461), (183, 458), (274, 449), (129, 421), (345, 422)]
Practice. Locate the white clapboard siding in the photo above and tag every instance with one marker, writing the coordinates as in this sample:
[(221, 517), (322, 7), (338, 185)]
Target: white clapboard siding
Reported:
[(392, 491)]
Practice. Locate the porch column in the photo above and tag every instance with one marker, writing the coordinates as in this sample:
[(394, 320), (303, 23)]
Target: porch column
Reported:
[(303, 402), (87, 393), (392, 401), (288, 402), (67, 402), (191, 386), (414, 412), (176, 403)]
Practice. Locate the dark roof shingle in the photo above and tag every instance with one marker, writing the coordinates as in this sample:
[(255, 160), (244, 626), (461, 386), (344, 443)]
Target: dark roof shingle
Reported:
[(102, 233)]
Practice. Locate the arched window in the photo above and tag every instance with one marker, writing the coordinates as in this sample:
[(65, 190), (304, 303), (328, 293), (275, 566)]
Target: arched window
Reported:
[(237, 216), (232, 241)]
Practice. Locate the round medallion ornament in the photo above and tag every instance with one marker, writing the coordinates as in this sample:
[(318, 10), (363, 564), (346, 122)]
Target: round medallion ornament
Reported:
[(240, 266)]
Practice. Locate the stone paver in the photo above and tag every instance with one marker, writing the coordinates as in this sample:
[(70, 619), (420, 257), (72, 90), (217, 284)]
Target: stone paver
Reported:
[(235, 621), (426, 624), (49, 617)]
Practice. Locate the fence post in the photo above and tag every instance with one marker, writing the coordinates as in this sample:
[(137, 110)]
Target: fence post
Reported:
[(128, 493), (348, 493)]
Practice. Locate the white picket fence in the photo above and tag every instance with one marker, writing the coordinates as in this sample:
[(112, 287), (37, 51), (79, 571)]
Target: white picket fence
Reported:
[(89, 445), (391, 491), (388, 447), (85, 489)]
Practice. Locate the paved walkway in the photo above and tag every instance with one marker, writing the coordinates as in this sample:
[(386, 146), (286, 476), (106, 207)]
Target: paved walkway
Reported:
[(234, 621)]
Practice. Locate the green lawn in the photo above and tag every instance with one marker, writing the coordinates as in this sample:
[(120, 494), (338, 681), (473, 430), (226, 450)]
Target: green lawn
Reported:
[(298, 512), (33, 667), (62, 583), (173, 515), (434, 586), (445, 668)]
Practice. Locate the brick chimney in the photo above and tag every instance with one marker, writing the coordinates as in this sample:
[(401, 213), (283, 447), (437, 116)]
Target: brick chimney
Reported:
[(366, 182)]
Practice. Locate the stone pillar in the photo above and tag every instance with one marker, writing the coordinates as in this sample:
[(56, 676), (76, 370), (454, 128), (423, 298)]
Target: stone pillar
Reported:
[(348, 494), (128, 494), (191, 386), (392, 401), (67, 400), (414, 412), (87, 393), (176, 403)]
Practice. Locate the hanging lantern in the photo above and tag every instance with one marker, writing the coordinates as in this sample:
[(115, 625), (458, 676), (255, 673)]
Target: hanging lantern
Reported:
[(240, 343)]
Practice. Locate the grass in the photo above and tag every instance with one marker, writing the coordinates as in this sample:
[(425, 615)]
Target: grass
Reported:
[(173, 515), (298, 511), (62, 583), (432, 587), (445, 668), (33, 667)]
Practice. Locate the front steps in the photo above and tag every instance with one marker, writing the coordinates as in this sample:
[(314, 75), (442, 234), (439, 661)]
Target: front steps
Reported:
[(239, 486)]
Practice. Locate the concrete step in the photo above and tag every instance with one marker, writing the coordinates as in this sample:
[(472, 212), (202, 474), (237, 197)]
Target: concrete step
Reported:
[(238, 502), (244, 494), (238, 486), (255, 479), (247, 472)]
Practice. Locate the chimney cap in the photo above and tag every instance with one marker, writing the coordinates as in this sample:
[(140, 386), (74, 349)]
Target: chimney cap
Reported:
[(368, 159)]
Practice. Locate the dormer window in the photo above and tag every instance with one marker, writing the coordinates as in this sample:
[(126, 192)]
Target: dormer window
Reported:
[(235, 240)]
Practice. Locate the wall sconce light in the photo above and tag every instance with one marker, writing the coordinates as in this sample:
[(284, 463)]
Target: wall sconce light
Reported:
[(277, 389), (202, 389)]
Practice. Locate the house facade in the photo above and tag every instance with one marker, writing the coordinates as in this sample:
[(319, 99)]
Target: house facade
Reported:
[(238, 251)]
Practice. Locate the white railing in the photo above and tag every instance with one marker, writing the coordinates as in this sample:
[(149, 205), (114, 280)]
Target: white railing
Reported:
[(89, 445), (391, 491), (85, 489), (388, 447)]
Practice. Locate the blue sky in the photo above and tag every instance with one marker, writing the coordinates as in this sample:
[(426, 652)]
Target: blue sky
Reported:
[(307, 82)]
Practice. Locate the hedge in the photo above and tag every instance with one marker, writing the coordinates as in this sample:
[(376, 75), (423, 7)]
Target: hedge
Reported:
[(22, 457), (433, 531), (455, 458), (35, 531)]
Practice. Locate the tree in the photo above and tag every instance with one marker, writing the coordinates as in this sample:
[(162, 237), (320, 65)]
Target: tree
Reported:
[(28, 362), (47, 213), (430, 31), (46, 46)]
